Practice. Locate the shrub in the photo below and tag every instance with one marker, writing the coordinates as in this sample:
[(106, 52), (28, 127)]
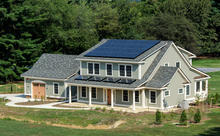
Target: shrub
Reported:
[(197, 116), (183, 118), (158, 117), (217, 98), (103, 109)]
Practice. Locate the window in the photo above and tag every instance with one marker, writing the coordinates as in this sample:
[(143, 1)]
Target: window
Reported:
[(56, 88), (122, 70), (83, 92), (125, 95), (137, 96), (178, 64), (187, 90), (90, 68), (125, 70), (94, 93), (167, 93), (96, 68), (153, 97), (109, 69), (203, 85), (197, 86), (166, 64), (180, 91)]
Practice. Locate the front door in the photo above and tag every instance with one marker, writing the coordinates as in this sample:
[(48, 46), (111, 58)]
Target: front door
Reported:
[(38, 90), (109, 96)]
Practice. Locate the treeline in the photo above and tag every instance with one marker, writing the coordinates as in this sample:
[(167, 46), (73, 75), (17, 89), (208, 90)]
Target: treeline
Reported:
[(29, 28)]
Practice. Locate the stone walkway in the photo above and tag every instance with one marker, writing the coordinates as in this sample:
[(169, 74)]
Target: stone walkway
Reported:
[(206, 70)]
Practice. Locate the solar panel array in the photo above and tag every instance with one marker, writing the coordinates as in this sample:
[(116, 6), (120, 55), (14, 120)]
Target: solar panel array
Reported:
[(122, 48), (106, 79)]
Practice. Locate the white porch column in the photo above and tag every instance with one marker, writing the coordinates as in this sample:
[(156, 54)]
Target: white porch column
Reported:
[(112, 101), (133, 107), (90, 96), (25, 86), (70, 95), (77, 95), (206, 88), (143, 98)]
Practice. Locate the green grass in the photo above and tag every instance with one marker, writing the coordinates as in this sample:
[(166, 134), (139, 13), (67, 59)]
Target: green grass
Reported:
[(214, 82), (207, 63), (12, 88), (209, 128)]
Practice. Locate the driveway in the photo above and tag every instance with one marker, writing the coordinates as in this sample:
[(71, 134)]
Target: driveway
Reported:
[(206, 70), (17, 98)]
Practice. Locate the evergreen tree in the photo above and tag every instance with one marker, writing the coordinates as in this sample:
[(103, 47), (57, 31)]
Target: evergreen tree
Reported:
[(158, 117), (183, 118), (197, 116)]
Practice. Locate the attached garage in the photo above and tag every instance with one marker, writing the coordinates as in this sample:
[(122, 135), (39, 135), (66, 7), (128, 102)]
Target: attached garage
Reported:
[(39, 90)]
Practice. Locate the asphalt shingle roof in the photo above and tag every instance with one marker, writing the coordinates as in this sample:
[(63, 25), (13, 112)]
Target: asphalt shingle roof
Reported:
[(162, 77), (55, 66)]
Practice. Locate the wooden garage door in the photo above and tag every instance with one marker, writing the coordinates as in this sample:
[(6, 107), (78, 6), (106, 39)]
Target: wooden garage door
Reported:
[(38, 90)]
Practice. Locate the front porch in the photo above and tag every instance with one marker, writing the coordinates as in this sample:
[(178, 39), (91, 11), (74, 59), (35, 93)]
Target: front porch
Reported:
[(117, 99)]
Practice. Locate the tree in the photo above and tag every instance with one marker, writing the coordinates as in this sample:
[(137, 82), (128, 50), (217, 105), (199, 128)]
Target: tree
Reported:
[(197, 116), (158, 117), (183, 118)]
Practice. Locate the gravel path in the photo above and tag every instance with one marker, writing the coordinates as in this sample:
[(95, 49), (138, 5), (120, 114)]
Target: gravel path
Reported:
[(206, 70), (17, 98)]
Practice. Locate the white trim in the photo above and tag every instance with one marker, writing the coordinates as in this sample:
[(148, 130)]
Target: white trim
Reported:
[(112, 98), (70, 95), (109, 61), (125, 65), (193, 55), (179, 91), (90, 96), (139, 71), (133, 103), (81, 92), (181, 72), (106, 73), (206, 78), (143, 99), (25, 90), (138, 96), (165, 93), (179, 64), (54, 88), (150, 97), (123, 96), (41, 78), (167, 64), (96, 92), (161, 99), (93, 66), (65, 89), (80, 68)]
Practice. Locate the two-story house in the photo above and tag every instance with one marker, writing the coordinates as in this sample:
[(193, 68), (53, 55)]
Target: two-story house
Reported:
[(132, 73)]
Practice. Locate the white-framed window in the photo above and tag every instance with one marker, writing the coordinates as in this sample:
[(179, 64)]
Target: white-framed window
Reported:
[(125, 70), (178, 64), (83, 92), (203, 85), (153, 97), (109, 68), (56, 88), (180, 91), (167, 93), (93, 68), (137, 96), (94, 92), (166, 64), (187, 90), (125, 96), (198, 86)]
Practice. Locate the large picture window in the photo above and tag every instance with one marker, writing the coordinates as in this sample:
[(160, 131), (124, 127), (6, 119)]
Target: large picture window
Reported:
[(83, 92), (55, 88), (109, 69), (94, 94), (125, 96), (137, 96), (153, 97)]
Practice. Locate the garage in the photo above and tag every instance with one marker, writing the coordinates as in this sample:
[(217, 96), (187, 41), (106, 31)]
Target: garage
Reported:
[(38, 90)]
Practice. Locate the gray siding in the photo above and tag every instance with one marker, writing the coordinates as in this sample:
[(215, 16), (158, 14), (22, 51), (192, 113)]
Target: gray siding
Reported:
[(158, 99), (48, 87), (115, 69), (119, 99), (99, 95)]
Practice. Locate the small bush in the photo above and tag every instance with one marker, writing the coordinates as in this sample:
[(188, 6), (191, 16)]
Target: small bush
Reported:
[(183, 118), (97, 108), (217, 98), (103, 109), (197, 116), (158, 117)]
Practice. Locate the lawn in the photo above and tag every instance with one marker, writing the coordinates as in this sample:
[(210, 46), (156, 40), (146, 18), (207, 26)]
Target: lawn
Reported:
[(214, 82), (207, 63), (17, 87)]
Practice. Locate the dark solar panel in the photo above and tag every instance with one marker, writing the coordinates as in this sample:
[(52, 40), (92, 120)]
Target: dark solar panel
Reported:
[(83, 77), (122, 48), (126, 81), (95, 78), (111, 80)]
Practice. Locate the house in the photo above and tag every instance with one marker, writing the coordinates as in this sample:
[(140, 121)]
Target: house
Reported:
[(132, 73)]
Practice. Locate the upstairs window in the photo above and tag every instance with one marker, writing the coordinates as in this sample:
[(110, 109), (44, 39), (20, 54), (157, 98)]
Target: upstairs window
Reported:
[(125, 70), (178, 64), (96, 65), (109, 69), (122, 70), (137, 96), (90, 68), (128, 71), (55, 88)]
